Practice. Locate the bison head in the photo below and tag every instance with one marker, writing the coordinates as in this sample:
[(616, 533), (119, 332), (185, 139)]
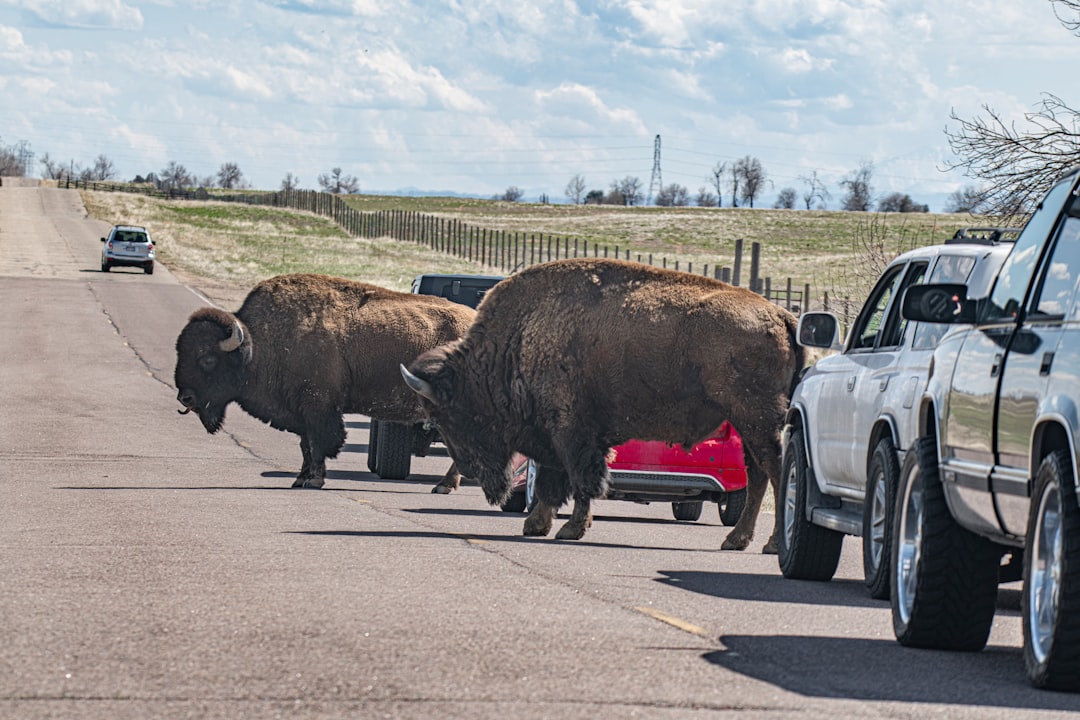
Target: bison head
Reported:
[(464, 421), (212, 354)]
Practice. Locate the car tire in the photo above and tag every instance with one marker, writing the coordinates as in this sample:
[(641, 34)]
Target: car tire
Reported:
[(530, 485), (806, 551), (688, 511), (945, 578), (1051, 597), (515, 503), (731, 507), (105, 266), (149, 268), (393, 454), (877, 518), (372, 443)]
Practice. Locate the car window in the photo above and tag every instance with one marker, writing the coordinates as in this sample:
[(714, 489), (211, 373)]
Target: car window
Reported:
[(896, 324), (872, 318), (1007, 297), (1059, 278), (949, 269)]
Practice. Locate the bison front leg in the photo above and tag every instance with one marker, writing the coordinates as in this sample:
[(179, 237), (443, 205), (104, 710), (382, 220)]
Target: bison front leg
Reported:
[(540, 520), (450, 482), (580, 521), (306, 478)]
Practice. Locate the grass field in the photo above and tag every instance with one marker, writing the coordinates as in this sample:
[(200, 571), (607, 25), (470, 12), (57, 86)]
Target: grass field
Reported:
[(229, 247)]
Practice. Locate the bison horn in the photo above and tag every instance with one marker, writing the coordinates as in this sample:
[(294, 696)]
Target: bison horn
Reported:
[(418, 386), (233, 341)]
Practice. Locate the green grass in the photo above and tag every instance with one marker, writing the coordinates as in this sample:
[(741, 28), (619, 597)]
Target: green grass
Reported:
[(835, 252)]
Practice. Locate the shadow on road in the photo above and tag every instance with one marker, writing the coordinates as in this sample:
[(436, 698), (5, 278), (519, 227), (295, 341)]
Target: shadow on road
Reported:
[(884, 670)]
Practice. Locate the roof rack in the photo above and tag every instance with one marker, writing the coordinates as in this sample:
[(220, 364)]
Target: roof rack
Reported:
[(985, 235)]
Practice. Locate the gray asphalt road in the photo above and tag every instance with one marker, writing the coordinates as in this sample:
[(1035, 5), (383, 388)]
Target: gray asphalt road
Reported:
[(150, 570)]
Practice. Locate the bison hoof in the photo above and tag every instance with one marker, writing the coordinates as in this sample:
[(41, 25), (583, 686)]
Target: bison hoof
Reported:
[(570, 531), (535, 529), (735, 543), (771, 547), (441, 489), (310, 483)]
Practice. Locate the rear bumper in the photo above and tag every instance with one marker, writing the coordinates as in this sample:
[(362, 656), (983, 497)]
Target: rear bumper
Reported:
[(668, 486)]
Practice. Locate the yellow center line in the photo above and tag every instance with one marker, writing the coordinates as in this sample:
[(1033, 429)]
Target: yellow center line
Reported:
[(675, 622)]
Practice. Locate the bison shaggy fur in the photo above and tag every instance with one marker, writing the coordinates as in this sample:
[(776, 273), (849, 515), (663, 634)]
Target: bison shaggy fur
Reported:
[(570, 358), (304, 349)]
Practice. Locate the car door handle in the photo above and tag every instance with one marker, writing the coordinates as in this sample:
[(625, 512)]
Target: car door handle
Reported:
[(851, 383), (996, 367), (1047, 361)]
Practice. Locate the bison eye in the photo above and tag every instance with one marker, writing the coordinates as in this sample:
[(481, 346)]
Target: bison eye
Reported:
[(208, 362)]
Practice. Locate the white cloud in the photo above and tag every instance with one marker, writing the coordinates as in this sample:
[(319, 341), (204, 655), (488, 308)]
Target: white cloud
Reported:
[(112, 14)]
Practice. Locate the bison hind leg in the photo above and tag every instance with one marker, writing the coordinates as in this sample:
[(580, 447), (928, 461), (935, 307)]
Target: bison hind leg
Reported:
[(757, 481), (580, 521), (307, 478), (540, 520)]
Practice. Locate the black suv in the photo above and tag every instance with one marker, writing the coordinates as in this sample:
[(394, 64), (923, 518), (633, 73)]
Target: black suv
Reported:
[(990, 486), (391, 446)]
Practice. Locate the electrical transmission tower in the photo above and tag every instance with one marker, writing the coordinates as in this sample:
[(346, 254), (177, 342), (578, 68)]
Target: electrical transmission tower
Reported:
[(656, 182)]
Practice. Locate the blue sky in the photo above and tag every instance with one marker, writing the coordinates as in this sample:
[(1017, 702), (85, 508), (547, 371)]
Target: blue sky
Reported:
[(476, 96)]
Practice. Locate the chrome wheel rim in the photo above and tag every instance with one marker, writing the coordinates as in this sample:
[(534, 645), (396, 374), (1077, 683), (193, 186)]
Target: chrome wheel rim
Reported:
[(790, 497), (1044, 582), (878, 513), (909, 549)]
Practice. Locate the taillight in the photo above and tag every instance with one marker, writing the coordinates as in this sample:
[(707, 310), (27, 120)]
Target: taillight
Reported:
[(151, 246)]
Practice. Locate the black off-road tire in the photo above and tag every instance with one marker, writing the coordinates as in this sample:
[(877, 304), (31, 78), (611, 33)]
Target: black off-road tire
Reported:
[(945, 578), (806, 551), (393, 453), (515, 503), (105, 267), (689, 511), (878, 509), (1051, 596), (372, 443), (149, 269), (732, 506)]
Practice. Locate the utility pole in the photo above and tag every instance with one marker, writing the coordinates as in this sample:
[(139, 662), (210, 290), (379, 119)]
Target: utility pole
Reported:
[(656, 182)]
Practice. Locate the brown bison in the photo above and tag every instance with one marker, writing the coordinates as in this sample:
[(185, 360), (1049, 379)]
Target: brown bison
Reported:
[(567, 359), (303, 350)]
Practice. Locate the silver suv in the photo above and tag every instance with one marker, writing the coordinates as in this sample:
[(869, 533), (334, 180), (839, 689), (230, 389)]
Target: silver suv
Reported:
[(128, 246), (852, 416), (994, 471)]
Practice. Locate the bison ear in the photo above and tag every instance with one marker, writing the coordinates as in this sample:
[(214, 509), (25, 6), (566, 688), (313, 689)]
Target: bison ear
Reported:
[(417, 385)]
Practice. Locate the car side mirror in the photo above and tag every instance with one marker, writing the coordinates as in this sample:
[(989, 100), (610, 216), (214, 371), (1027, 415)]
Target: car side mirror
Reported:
[(819, 330), (944, 303), (104, 240)]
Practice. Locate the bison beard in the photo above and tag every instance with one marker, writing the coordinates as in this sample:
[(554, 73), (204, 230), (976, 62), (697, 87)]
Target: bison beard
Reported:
[(568, 359), (305, 349)]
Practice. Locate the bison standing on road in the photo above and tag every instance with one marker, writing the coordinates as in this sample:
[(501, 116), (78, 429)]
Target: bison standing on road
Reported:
[(303, 350), (567, 359)]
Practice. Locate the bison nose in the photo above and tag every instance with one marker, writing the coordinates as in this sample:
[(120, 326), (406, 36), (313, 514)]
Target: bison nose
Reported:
[(186, 398)]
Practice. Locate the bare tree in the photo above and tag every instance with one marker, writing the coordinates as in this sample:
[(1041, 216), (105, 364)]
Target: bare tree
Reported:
[(512, 194), (51, 169), (717, 175), (900, 202), (968, 199), (626, 191), (1017, 166), (753, 177), (706, 197), (786, 199), (814, 190), (338, 183), (860, 192), (290, 182), (174, 177), (229, 176), (575, 189), (102, 169), (673, 195), (735, 177)]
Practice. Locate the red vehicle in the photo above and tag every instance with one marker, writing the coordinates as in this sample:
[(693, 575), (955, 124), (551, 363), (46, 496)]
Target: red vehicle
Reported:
[(651, 471)]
